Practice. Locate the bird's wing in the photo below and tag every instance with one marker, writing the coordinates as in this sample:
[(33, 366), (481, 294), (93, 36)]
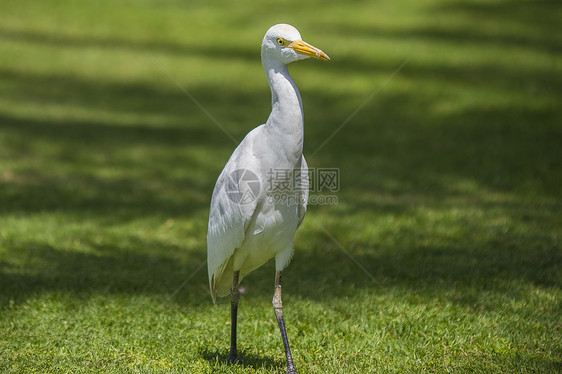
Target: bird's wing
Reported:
[(304, 182), (233, 204)]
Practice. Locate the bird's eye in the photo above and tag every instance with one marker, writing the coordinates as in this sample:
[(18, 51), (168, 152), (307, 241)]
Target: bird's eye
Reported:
[(280, 41)]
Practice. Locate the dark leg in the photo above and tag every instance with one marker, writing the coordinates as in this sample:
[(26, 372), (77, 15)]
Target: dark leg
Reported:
[(234, 297), (278, 308)]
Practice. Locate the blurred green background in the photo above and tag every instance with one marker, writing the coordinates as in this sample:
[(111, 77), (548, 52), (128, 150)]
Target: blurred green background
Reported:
[(450, 191)]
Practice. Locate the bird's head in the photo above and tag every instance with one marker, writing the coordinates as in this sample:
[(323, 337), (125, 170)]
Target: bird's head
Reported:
[(283, 43)]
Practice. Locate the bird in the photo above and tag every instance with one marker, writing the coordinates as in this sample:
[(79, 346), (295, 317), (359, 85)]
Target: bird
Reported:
[(260, 197)]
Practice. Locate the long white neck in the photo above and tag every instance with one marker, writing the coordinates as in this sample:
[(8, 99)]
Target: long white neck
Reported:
[(285, 125)]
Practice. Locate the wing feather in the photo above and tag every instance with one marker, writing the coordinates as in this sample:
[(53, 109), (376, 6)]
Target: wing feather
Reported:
[(304, 191), (233, 205)]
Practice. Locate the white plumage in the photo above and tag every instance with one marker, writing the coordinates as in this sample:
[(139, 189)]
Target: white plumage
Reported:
[(260, 196), (244, 235)]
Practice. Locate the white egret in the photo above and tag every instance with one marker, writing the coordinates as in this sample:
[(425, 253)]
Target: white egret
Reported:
[(261, 195)]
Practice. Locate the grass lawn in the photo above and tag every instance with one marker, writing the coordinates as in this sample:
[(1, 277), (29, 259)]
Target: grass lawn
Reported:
[(443, 252)]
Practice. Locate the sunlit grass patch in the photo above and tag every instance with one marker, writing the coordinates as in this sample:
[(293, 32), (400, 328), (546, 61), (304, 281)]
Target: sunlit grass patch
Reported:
[(442, 253)]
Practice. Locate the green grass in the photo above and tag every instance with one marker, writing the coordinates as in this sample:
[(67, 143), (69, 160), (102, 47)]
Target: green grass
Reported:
[(450, 192)]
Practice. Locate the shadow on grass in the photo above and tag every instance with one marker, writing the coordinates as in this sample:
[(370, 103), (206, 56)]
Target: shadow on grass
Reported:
[(245, 360), (539, 18), (141, 46), (146, 267)]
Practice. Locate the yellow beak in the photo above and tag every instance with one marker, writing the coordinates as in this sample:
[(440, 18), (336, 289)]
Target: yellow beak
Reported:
[(306, 49)]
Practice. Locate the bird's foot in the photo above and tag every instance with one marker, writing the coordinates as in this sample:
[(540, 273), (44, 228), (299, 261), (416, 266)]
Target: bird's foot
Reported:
[(232, 359), (291, 370)]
